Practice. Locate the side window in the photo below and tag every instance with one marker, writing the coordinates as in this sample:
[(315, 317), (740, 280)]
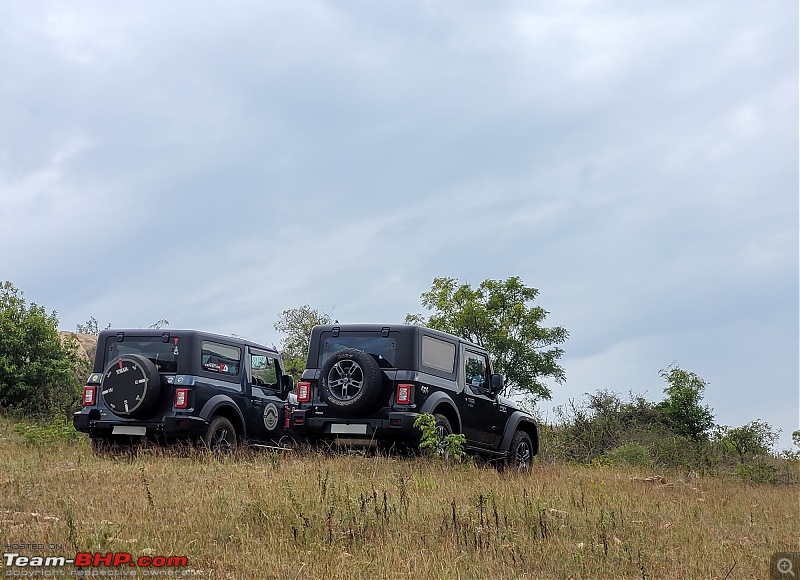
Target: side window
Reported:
[(220, 358), (438, 354), (476, 372), (264, 370)]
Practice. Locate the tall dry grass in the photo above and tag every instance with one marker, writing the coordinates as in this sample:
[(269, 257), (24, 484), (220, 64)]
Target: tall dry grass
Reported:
[(311, 515)]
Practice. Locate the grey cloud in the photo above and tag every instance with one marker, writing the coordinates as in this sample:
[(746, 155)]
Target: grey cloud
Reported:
[(214, 165)]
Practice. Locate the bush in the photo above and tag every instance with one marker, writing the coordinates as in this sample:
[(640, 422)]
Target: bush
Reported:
[(682, 406), (451, 447), (750, 440), (632, 454), (40, 376), (43, 433)]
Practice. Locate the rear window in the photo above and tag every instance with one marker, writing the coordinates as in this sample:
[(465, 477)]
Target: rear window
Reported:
[(438, 354), (221, 358), (162, 354), (383, 349)]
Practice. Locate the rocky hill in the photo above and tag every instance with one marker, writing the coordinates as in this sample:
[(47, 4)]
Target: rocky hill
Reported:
[(87, 344)]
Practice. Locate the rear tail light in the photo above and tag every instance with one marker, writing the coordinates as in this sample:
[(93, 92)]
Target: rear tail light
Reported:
[(89, 396), (303, 392), (181, 399), (404, 394)]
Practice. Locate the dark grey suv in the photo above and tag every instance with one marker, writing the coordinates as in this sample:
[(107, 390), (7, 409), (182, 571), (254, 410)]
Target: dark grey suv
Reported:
[(368, 383), (184, 384)]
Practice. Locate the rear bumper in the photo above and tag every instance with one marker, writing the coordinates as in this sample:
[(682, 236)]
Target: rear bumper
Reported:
[(398, 426), (97, 425)]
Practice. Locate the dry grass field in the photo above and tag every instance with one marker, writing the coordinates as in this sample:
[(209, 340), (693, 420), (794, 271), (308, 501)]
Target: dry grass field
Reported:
[(313, 515)]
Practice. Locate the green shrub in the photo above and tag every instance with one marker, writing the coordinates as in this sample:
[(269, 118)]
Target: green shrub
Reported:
[(40, 375), (45, 433), (758, 472), (631, 454), (750, 440), (451, 447)]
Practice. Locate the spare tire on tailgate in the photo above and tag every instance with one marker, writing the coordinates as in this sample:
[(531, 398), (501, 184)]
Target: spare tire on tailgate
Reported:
[(131, 386), (350, 380)]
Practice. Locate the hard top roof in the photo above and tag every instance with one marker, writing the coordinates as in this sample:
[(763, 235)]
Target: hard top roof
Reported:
[(178, 332), (403, 328)]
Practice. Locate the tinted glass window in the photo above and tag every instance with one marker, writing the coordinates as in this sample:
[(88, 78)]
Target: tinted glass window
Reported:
[(265, 370), (476, 372), (162, 354), (221, 358), (438, 354), (383, 349)]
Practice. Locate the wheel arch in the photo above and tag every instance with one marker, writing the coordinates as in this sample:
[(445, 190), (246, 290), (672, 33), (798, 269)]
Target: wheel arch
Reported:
[(224, 406), (442, 404), (520, 422)]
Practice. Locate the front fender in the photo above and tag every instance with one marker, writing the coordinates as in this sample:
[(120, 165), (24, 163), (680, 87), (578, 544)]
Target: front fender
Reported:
[(218, 401), (518, 420)]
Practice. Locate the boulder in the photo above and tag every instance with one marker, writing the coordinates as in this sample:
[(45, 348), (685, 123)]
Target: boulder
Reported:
[(87, 344)]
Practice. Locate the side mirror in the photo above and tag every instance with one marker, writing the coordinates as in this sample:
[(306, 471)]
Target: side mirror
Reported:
[(497, 385), (287, 383)]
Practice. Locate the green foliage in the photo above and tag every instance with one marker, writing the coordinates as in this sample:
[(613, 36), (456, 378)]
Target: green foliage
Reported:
[(39, 373), (296, 324), (91, 327), (294, 366), (682, 406), (429, 441), (606, 429), (451, 447), (750, 440), (796, 438), (499, 316), (632, 454), (47, 432), (758, 472)]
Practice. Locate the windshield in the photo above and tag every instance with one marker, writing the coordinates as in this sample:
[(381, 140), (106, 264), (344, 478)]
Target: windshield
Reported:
[(162, 354), (383, 349)]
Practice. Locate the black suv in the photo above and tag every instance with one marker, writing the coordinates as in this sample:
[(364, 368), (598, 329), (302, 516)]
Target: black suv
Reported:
[(369, 383), (184, 383)]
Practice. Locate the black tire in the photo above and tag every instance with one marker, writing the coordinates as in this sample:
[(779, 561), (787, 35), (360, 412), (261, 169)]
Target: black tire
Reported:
[(520, 454), (350, 381), (131, 386), (443, 429), (443, 426), (220, 436)]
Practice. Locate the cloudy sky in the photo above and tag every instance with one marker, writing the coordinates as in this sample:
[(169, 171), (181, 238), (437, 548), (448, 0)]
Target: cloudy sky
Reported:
[(215, 163)]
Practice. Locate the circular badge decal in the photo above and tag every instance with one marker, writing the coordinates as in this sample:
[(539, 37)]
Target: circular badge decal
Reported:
[(270, 416)]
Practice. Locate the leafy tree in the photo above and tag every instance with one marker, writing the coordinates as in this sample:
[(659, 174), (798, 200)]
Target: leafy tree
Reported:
[(91, 327), (296, 324), (682, 406), (39, 373), (755, 438), (499, 316)]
